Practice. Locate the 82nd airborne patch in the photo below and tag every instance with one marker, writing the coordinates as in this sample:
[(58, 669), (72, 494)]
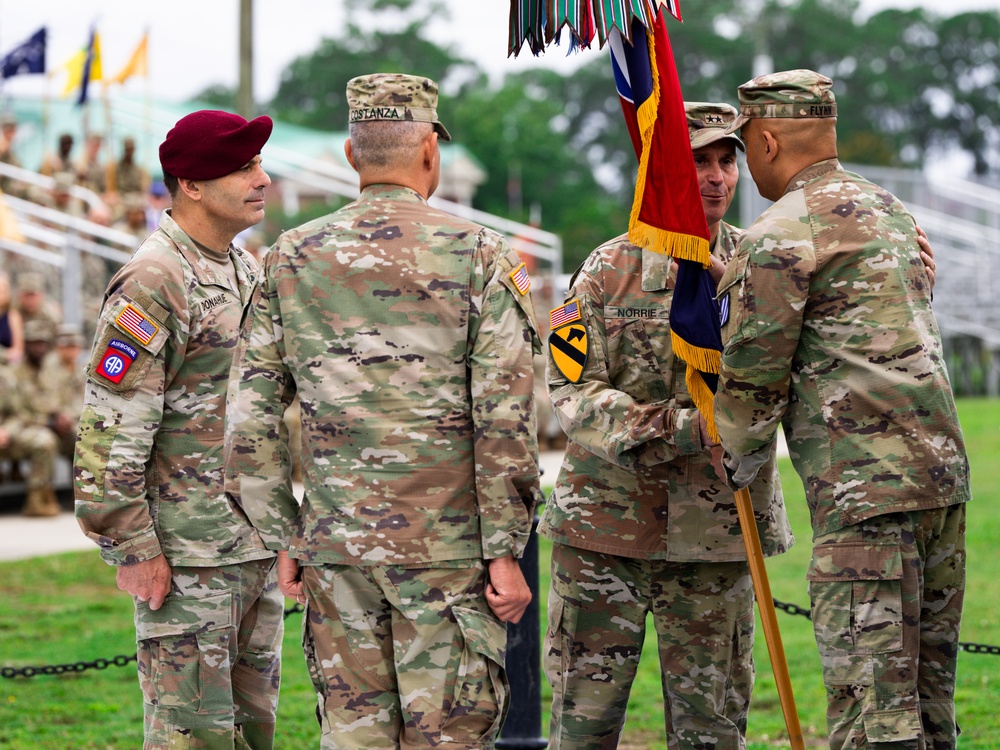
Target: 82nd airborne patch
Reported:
[(117, 358)]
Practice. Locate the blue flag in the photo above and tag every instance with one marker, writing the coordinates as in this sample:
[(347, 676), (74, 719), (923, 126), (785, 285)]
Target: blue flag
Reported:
[(27, 57)]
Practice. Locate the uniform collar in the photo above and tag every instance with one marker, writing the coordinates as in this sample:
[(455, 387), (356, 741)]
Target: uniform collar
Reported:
[(205, 272), (385, 192), (812, 172)]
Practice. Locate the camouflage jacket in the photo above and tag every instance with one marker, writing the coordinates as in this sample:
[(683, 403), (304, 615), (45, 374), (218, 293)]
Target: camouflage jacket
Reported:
[(407, 334), (149, 473), (46, 391), (831, 333), (635, 480)]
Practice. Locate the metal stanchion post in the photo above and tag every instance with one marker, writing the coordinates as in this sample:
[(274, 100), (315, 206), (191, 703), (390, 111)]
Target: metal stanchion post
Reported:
[(523, 728)]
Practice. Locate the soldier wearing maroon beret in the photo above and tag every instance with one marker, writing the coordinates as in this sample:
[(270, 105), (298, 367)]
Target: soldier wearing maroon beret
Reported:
[(149, 458)]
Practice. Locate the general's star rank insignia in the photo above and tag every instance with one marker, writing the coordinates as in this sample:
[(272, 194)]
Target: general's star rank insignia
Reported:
[(568, 347)]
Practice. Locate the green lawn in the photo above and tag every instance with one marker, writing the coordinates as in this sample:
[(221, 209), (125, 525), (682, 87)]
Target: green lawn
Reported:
[(65, 608)]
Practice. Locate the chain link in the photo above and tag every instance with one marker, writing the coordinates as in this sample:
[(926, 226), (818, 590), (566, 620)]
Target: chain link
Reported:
[(972, 648), (121, 660), (82, 666)]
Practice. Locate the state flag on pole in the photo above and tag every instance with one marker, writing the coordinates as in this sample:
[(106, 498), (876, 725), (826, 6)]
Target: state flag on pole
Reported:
[(667, 213)]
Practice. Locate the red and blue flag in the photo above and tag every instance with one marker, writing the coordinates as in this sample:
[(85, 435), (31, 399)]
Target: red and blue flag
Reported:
[(667, 213)]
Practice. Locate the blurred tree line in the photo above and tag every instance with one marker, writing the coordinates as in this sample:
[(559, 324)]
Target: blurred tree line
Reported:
[(910, 84)]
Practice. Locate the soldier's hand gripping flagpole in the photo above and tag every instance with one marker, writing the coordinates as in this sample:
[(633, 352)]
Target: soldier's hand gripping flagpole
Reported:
[(668, 217), (768, 618)]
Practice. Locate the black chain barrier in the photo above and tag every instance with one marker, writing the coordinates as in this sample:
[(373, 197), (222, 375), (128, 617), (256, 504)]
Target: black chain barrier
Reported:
[(122, 660), (82, 666)]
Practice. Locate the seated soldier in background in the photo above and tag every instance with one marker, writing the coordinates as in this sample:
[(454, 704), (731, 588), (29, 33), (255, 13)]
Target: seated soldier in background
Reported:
[(32, 301), (21, 435), (64, 376), (133, 218)]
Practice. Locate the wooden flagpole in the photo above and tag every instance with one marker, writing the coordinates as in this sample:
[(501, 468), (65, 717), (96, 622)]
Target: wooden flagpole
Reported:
[(768, 617)]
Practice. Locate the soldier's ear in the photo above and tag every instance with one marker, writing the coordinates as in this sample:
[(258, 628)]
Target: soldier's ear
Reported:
[(771, 146), (349, 153), (190, 188)]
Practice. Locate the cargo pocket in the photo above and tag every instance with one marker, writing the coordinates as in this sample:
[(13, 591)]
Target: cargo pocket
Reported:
[(98, 429), (480, 703), (559, 633), (187, 644), (856, 594), (315, 670)]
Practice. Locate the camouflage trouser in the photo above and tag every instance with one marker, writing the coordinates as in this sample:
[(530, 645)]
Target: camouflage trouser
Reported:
[(887, 598), (703, 615), (37, 445), (404, 657), (209, 659)]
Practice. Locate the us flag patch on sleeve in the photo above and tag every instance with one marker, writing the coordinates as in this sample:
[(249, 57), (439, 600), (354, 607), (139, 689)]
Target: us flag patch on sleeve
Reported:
[(522, 282), (132, 320), (565, 314)]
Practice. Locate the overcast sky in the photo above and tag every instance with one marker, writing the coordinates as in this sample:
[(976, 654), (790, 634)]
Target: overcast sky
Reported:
[(194, 43)]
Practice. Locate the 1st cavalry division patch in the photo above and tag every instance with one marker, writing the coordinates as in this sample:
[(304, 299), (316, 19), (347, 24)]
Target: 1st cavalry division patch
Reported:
[(568, 347)]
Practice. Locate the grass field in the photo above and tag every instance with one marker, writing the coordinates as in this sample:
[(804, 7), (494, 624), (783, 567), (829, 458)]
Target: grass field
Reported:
[(65, 608)]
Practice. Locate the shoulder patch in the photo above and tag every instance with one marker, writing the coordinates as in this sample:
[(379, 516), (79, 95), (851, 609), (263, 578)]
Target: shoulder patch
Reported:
[(116, 360), (522, 282), (568, 347), (135, 322), (564, 314)]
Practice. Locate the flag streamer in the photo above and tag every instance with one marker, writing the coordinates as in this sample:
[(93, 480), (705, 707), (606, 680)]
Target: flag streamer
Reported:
[(540, 23)]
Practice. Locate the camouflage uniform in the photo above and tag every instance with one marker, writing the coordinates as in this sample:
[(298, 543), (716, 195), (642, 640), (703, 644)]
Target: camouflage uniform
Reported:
[(149, 480), (643, 522), (411, 357), (26, 441), (831, 334)]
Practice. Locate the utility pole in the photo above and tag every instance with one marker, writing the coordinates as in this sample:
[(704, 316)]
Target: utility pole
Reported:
[(244, 92)]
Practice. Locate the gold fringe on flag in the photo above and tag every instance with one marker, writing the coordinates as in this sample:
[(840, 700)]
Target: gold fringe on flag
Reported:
[(701, 394), (675, 244)]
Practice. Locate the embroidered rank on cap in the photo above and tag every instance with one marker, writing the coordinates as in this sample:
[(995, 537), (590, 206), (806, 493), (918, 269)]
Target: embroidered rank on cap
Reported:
[(134, 321), (521, 279), (116, 360), (565, 314)]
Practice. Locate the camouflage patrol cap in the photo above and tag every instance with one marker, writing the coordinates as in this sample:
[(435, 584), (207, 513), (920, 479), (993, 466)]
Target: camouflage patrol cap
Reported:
[(39, 329), (707, 123), (394, 96), (791, 93), (30, 281), (69, 334)]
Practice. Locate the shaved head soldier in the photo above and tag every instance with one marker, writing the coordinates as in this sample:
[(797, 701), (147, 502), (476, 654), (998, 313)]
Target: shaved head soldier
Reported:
[(831, 335)]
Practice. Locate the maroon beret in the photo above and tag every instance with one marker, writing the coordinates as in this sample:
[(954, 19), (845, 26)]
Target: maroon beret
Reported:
[(209, 143)]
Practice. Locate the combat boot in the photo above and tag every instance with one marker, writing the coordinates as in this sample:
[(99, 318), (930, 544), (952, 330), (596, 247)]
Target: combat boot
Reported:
[(52, 503), (39, 503)]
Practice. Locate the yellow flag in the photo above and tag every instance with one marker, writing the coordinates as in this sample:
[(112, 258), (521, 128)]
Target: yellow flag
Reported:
[(137, 64), (75, 65)]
